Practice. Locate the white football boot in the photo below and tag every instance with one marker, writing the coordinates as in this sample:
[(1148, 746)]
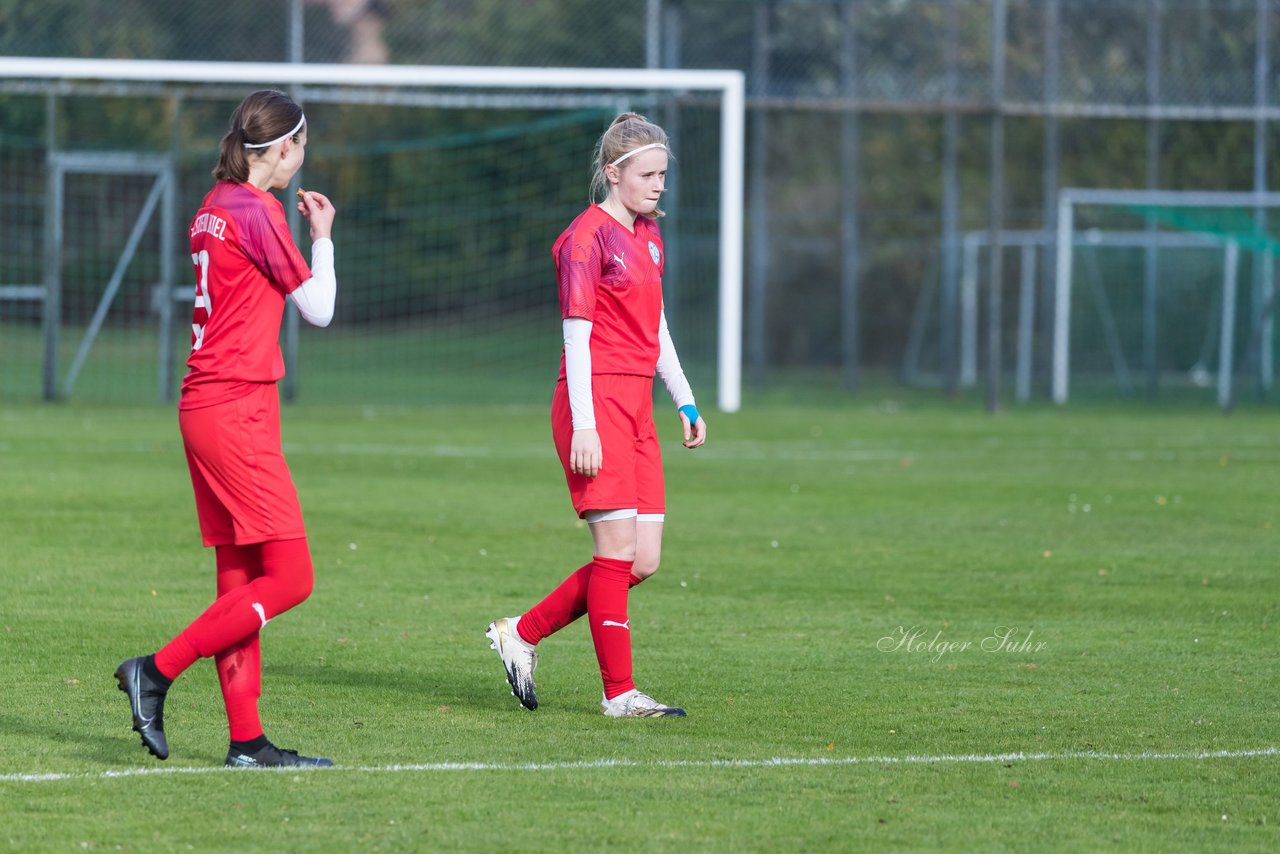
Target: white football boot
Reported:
[(635, 704), (519, 659)]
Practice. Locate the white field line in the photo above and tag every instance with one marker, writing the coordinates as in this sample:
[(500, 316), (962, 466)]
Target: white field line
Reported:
[(776, 762)]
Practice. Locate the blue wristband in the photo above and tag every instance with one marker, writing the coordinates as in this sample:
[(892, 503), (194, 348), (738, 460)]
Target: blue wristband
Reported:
[(691, 412)]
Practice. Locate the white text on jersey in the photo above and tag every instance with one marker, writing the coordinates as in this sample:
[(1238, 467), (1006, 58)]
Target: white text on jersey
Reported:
[(207, 223)]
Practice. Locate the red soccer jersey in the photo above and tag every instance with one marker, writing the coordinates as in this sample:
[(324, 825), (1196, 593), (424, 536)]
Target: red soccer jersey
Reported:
[(613, 278), (246, 263)]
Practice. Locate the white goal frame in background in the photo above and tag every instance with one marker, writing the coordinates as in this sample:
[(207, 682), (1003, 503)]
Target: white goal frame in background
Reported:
[(728, 84), (1032, 247), (1070, 197)]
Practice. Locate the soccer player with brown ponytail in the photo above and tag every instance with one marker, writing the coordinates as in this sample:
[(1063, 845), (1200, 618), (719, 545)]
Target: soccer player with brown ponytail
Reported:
[(246, 266)]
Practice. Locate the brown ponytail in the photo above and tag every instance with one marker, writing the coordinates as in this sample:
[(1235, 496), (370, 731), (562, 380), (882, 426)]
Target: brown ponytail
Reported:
[(262, 116)]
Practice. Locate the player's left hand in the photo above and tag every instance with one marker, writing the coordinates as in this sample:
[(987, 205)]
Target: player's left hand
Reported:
[(694, 434)]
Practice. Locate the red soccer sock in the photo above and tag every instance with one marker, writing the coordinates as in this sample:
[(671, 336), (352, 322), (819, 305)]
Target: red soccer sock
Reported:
[(286, 581), (558, 609), (561, 606), (240, 665), (240, 676), (610, 628)]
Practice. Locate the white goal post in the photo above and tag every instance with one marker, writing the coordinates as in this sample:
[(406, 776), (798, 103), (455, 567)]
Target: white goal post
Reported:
[(1072, 197), (727, 84), (1032, 247)]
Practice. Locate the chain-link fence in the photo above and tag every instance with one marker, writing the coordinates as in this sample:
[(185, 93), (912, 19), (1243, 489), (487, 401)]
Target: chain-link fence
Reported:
[(880, 134)]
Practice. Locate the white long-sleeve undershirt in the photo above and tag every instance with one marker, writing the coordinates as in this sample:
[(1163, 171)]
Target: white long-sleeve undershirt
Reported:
[(577, 370), (316, 296), (669, 370)]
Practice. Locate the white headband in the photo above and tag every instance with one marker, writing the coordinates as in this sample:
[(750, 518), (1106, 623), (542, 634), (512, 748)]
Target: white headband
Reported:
[(638, 150), (302, 121)]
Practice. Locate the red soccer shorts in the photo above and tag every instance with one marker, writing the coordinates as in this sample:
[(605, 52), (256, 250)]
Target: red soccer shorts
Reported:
[(244, 492), (631, 475)]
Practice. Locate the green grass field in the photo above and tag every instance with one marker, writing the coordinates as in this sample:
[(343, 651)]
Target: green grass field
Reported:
[(1128, 553)]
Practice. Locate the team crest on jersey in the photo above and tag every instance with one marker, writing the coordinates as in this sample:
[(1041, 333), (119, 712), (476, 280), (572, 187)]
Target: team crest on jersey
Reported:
[(654, 253)]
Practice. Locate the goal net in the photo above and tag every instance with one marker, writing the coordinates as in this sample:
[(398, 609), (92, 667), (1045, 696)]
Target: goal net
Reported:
[(1163, 290), (451, 185)]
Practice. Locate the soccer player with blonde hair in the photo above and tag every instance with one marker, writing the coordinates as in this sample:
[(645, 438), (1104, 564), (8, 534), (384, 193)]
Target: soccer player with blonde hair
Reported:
[(609, 264)]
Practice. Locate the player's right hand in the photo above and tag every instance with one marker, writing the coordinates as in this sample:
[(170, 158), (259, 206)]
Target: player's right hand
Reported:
[(585, 454), (319, 211)]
